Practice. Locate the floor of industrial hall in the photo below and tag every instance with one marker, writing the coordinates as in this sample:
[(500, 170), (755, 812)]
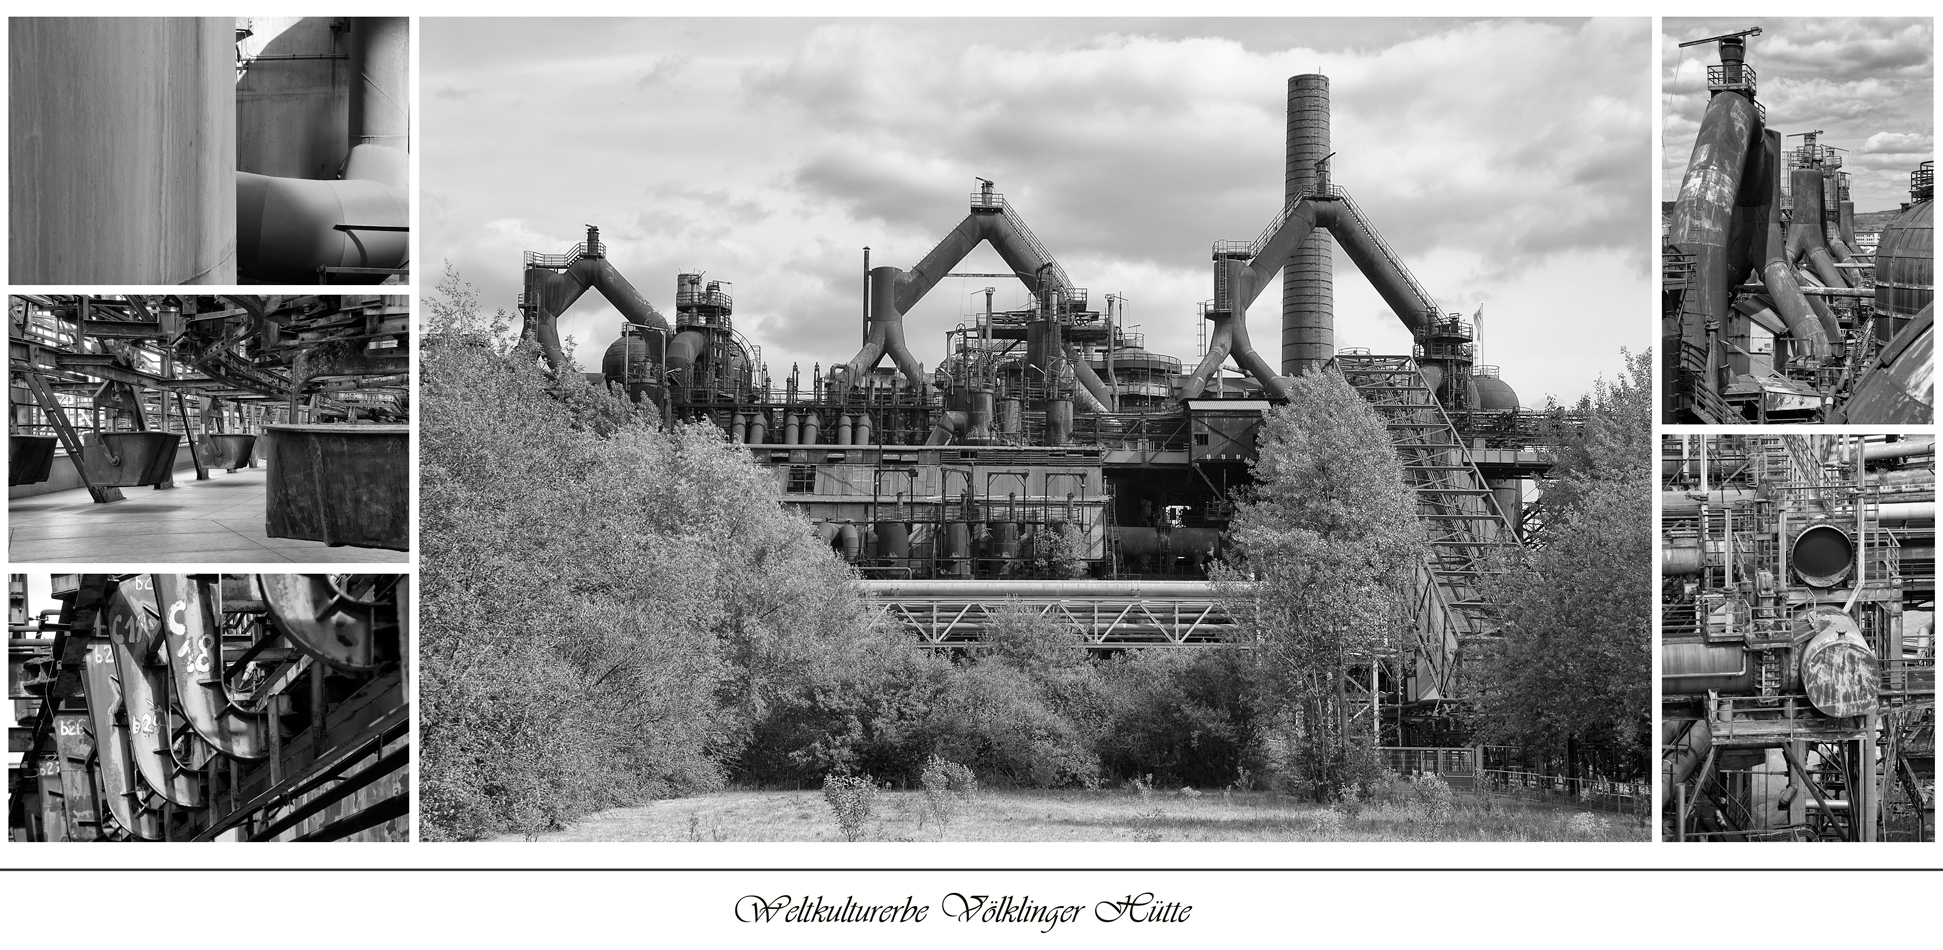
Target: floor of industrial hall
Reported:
[(216, 521)]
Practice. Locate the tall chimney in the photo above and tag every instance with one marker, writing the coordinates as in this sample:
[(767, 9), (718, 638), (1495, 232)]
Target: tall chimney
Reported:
[(1308, 281)]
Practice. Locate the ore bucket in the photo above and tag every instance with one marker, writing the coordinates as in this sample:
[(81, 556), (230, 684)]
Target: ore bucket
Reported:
[(340, 484), (226, 450), (30, 458), (128, 459)]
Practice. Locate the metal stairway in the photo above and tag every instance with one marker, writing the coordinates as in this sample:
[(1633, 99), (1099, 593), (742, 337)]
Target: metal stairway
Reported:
[(1465, 530)]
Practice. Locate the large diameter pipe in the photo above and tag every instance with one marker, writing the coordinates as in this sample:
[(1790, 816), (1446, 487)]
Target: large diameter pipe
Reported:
[(122, 148), (551, 293), (1359, 241), (380, 105), (1308, 280), (287, 228), (1808, 231), (1806, 332), (1703, 212)]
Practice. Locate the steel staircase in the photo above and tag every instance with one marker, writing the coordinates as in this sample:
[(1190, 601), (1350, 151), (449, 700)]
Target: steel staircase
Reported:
[(1467, 534)]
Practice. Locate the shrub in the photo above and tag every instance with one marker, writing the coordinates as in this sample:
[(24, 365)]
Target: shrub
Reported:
[(1586, 825), (854, 800), (948, 789)]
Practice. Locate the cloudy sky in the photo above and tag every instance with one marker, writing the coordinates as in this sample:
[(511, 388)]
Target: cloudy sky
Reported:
[(1867, 84), (1508, 162)]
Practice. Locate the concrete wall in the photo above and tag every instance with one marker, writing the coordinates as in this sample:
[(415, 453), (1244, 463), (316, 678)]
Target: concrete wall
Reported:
[(122, 150)]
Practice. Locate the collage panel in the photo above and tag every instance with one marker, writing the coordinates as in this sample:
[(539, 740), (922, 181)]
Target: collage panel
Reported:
[(1797, 637), (941, 526), (205, 707), (184, 429), (162, 151), (1797, 251)]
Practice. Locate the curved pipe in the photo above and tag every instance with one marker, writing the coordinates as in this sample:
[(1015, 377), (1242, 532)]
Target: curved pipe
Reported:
[(287, 228), (1683, 748), (950, 425), (134, 633), (101, 684), (1805, 328), (1808, 231), (552, 292), (1359, 241), (1703, 213), (684, 349), (195, 657)]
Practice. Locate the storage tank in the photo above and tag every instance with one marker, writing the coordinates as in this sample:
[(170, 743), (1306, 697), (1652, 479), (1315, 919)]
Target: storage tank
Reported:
[(1905, 268), (1491, 394), (122, 156)]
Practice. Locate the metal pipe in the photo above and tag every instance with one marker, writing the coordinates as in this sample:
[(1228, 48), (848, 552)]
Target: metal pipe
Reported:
[(1703, 212)]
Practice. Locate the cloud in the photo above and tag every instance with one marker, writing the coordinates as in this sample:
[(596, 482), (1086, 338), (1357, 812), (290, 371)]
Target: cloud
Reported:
[(1850, 79), (1128, 146)]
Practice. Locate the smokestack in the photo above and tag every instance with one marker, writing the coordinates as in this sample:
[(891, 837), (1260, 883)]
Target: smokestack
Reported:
[(1308, 281)]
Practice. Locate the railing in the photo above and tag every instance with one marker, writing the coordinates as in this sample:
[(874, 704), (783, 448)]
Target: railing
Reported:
[(1032, 241), (704, 298), (987, 201), (563, 261), (1252, 249), (1388, 253), (1626, 798), (1741, 77), (1922, 182)]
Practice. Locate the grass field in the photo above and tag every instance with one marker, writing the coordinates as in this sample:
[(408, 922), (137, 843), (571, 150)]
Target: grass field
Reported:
[(1090, 816)]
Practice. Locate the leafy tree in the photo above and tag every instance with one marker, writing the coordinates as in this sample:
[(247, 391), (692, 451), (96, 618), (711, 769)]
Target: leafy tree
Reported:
[(1573, 680), (608, 609), (1329, 539)]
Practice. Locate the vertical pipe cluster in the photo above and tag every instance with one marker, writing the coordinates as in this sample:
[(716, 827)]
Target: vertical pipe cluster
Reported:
[(1308, 288)]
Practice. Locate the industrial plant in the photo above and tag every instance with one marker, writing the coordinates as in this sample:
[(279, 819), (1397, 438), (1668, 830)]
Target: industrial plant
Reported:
[(253, 428), (1798, 644), (204, 707), (208, 150), (1052, 460), (1775, 307)]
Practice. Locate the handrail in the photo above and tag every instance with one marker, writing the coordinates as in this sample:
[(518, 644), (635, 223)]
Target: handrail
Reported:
[(1060, 280), (1388, 252)]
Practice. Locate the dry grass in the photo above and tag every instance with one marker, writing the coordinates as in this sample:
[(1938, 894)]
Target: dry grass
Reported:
[(1088, 816)]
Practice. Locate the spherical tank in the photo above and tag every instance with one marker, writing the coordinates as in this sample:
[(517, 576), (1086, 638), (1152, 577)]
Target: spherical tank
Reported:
[(1906, 263), (1491, 394), (122, 159), (620, 353)]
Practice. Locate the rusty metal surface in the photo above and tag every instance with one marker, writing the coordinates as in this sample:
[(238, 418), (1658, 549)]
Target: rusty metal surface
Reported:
[(340, 484), (194, 642), (1839, 671), (128, 459), (30, 458), (225, 450), (324, 618), (1906, 263)]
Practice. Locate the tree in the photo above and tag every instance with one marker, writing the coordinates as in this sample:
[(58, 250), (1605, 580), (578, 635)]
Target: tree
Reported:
[(608, 609), (1329, 539), (1573, 678)]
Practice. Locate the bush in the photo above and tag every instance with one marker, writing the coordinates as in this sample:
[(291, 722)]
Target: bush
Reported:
[(948, 789), (854, 800)]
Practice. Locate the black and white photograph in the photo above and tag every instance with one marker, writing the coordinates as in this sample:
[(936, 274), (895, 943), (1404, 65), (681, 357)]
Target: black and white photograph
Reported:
[(233, 707), (182, 429), (1798, 638), (208, 150), (851, 430), (1798, 262)]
